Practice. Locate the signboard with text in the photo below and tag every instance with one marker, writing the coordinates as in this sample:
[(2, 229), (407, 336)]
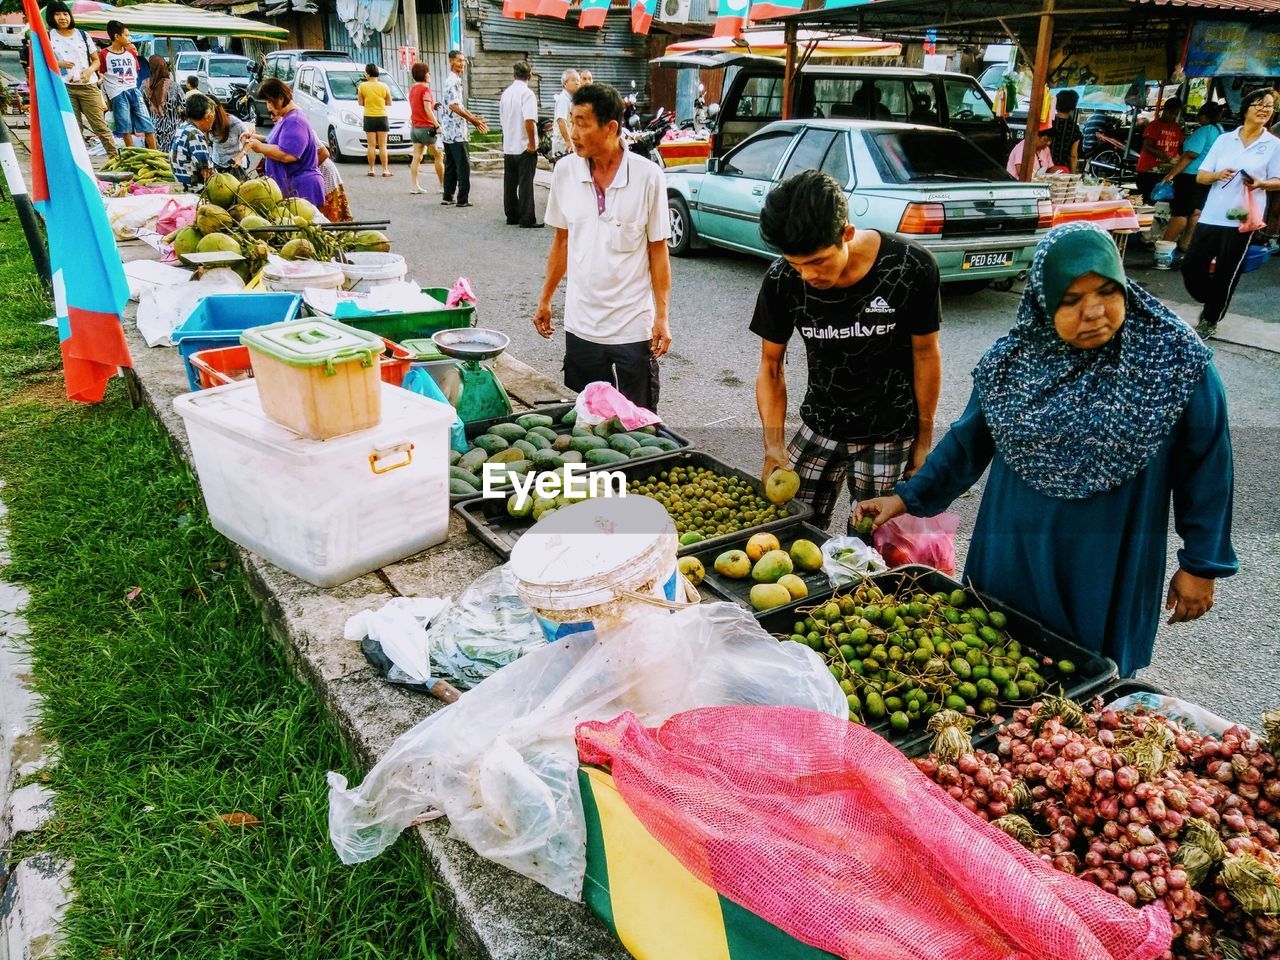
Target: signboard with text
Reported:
[(1220, 48)]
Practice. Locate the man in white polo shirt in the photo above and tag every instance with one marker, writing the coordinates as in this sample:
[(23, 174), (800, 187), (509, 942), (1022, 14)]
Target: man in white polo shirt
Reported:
[(518, 110), (609, 208)]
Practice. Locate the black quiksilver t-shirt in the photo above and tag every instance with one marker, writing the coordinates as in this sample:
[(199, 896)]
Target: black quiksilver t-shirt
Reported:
[(858, 339)]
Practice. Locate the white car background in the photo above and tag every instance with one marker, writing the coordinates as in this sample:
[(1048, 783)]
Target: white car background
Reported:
[(214, 72), (326, 94)]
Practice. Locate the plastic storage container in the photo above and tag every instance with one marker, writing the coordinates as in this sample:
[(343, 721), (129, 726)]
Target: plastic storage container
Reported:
[(408, 326), (1254, 257), (366, 270), (316, 376), (597, 562), (219, 319), (294, 276), (325, 511), (223, 365)]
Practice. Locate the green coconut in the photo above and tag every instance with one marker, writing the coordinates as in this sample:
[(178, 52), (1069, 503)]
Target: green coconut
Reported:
[(211, 218), (221, 189), (253, 221), (297, 207), (218, 243), (372, 241), (187, 240), (298, 248), (239, 211), (260, 193)]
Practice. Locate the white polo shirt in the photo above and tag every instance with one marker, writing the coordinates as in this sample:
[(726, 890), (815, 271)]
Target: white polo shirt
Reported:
[(517, 105), (609, 298), (564, 109), (1261, 160)]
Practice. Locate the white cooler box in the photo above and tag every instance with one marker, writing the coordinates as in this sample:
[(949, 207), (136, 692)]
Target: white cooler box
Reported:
[(325, 510)]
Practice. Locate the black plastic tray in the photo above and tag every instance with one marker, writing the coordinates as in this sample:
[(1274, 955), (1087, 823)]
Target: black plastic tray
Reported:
[(555, 411), (492, 526), (717, 587), (1093, 671)]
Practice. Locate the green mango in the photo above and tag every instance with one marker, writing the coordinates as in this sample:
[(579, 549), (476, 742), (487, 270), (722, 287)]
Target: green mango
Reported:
[(510, 455), (570, 417), (571, 456), (460, 488), (465, 476), (547, 460), (560, 444), (655, 442), (583, 444), (641, 452), (531, 420), (666, 443), (454, 457), (547, 432), (603, 456), (509, 432), (491, 443), (622, 443), (473, 459), (525, 447)]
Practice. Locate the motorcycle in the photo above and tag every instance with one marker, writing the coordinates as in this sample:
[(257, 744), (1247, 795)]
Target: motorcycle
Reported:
[(644, 141), (1113, 154), (240, 103)]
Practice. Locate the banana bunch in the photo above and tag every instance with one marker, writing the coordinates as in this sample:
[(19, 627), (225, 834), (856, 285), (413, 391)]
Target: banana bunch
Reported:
[(147, 166)]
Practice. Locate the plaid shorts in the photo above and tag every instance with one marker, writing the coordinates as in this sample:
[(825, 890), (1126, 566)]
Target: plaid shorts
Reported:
[(869, 469)]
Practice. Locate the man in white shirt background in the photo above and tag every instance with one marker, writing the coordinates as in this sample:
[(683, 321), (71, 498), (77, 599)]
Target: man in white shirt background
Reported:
[(561, 143), (518, 111), (609, 208)]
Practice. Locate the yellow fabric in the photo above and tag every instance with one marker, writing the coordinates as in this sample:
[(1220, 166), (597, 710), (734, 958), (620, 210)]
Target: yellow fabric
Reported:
[(376, 97), (660, 909)]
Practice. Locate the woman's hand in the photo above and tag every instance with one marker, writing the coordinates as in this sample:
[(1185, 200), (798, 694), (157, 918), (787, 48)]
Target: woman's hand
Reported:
[(1226, 174), (880, 509), (775, 458), (1189, 596)]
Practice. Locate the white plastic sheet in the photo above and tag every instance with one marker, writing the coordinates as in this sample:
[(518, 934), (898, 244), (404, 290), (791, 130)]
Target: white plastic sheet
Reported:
[(846, 559), (501, 763)]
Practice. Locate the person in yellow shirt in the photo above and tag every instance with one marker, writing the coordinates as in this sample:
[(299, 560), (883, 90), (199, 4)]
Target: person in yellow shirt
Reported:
[(374, 96)]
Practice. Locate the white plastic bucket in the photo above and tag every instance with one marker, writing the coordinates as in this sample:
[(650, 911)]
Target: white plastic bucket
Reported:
[(1164, 254), (367, 270), (295, 276), (598, 563)]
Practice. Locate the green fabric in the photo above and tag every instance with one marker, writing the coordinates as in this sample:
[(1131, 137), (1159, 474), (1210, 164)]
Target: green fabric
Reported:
[(1074, 255), (753, 938), (595, 884)]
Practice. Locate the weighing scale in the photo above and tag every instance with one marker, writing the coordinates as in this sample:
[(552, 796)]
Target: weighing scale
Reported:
[(479, 394)]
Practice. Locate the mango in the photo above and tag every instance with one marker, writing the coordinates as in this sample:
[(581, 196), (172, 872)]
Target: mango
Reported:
[(806, 555), (509, 432), (519, 507), (491, 443), (571, 456), (765, 596), (782, 486), (473, 459), (693, 570), (583, 444), (465, 476), (604, 457), (531, 420), (536, 440), (639, 453), (525, 447), (795, 586), (733, 564), (547, 460), (510, 455), (761, 544), (561, 444), (771, 567), (460, 488), (623, 444), (542, 431), (570, 417)]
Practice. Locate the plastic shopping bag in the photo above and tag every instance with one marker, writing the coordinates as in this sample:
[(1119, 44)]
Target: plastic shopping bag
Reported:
[(1253, 210), (461, 293), (421, 383), (826, 831), (502, 765), (1162, 191), (1190, 716), (600, 401), (927, 540), (848, 559)]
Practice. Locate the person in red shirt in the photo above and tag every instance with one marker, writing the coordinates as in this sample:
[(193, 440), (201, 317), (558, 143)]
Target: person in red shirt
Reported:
[(1161, 146), (424, 126)]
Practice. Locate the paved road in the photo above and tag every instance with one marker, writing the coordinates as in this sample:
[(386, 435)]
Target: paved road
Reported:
[(1226, 661)]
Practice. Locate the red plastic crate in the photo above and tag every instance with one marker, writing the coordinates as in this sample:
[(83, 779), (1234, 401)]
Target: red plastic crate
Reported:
[(228, 364)]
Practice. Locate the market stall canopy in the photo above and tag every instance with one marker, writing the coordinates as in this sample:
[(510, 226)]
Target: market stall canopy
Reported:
[(772, 43), (176, 20)]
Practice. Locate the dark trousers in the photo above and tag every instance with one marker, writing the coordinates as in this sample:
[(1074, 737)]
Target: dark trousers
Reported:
[(631, 367), (1225, 245), (517, 187), (457, 172)]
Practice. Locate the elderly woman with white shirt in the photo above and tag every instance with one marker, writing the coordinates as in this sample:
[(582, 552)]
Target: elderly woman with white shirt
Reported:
[(1241, 163)]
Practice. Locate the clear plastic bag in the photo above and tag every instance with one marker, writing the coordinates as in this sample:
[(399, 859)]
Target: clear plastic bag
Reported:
[(501, 763), (485, 629), (846, 560), (927, 540), (1190, 716)]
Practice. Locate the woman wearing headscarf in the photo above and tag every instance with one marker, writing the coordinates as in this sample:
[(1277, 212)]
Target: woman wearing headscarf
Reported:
[(1094, 412), (164, 100)]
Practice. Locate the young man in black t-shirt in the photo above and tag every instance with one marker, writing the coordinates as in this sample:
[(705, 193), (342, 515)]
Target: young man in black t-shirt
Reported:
[(867, 306)]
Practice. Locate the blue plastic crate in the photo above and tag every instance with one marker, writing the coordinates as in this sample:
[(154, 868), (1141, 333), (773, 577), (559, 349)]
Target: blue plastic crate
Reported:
[(1255, 257), (220, 318)]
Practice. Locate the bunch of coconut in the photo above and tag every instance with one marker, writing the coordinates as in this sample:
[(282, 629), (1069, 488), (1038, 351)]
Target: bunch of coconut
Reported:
[(228, 204)]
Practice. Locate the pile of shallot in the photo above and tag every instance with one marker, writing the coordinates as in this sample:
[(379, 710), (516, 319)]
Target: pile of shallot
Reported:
[(1140, 806)]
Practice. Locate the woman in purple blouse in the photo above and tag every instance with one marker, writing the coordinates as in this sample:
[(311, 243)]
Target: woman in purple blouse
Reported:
[(291, 150)]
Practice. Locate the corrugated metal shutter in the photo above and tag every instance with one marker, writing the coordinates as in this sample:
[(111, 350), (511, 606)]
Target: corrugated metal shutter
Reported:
[(433, 47), (380, 48), (614, 55)]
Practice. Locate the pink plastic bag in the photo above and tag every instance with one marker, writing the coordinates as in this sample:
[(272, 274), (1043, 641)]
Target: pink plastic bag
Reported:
[(825, 830), (461, 293), (1254, 219), (175, 216), (927, 540), (600, 401)]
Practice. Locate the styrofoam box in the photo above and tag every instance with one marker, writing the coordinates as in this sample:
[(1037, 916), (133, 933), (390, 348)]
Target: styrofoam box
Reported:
[(324, 510)]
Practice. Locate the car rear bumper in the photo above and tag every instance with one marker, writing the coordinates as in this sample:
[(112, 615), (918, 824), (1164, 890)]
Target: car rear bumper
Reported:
[(950, 255)]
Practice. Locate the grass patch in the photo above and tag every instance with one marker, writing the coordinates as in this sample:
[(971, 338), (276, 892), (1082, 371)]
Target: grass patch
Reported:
[(168, 702)]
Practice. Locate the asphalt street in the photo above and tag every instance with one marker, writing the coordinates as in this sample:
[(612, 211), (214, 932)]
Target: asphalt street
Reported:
[(1229, 661)]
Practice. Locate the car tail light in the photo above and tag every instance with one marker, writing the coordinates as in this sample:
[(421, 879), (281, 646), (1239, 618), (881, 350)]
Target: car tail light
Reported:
[(1045, 219), (921, 218)]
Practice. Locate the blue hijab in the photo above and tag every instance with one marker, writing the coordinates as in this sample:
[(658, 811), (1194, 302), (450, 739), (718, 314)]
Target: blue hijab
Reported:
[(1072, 422)]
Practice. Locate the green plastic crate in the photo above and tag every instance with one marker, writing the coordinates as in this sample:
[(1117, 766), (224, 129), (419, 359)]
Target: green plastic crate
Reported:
[(407, 326)]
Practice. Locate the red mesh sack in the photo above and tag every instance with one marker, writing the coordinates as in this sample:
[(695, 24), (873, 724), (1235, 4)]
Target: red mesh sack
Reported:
[(825, 830)]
